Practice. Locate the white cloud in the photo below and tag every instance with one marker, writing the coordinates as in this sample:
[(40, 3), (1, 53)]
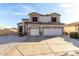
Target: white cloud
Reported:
[(27, 9), (4, 12), (72, 11), (19, 13), (68, 5)]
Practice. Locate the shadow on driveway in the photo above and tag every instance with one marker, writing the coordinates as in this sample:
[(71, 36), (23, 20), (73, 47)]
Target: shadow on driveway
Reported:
[(24, 39), (74, 41), (38, 38), (15, 38)]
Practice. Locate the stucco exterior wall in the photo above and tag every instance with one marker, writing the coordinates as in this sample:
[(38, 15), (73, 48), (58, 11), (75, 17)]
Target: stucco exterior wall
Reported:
[(77, 27), (69, 29), (44, 19)]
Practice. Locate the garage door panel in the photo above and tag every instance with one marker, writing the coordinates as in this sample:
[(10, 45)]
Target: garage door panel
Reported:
[(34, 32), (52, 32), (58, 32)]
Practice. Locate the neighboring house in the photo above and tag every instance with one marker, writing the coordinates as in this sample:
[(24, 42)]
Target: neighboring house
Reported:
[(9, 31), (41, 25), (71, 27)]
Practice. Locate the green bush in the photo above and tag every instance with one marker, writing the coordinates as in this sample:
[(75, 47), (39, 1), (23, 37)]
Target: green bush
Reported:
[(78, 35), (74, 35), (65, 33)]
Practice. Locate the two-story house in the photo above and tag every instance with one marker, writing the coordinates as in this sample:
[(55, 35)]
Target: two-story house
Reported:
[(41, 25)]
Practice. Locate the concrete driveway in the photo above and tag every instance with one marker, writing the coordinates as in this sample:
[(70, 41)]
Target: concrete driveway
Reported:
[(12, 45)]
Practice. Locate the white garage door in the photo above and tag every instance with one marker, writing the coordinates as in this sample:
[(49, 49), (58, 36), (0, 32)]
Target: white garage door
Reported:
[(52, 31), (34, 32)]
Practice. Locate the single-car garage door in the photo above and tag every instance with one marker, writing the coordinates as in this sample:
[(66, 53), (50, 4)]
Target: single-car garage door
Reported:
[(34, 32), (52, 31)]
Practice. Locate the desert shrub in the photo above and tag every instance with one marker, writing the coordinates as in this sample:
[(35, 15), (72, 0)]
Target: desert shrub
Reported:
[(78, 35), (65, 33), (74, 35)]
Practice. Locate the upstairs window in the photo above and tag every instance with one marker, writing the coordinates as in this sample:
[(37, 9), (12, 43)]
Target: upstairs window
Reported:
[(54, 19), (34, 19)]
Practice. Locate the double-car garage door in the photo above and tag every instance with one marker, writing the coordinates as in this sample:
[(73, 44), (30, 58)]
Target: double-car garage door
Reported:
[(52, 32), (46, 31)]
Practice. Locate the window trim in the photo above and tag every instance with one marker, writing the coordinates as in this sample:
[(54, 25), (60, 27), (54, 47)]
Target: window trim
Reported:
[(35, 19), (55, 19)]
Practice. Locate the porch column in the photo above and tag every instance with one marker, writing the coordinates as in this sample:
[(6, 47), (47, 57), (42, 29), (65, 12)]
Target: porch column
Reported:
[(23, 28), (39, 19), (29, 31), (62, 30), (41, 31), (49, 18), (58, 19)]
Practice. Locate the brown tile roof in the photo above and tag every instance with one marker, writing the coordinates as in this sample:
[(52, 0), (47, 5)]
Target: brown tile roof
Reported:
[(55, 13), (27, 20), (47, 23), (19, 23), (43, 14), (72, 24), (34, 13)]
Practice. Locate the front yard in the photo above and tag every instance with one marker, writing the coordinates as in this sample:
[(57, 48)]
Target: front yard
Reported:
[(12, 45)]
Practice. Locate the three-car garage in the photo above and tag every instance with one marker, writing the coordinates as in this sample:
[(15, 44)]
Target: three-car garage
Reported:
[(46, 31)]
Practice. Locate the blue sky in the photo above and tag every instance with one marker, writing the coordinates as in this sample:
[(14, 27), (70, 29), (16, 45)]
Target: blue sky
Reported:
[(11, 14)]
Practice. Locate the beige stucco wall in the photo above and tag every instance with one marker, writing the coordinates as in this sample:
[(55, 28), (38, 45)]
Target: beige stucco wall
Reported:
[(44, 19), (77, 27), (69, 29)]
